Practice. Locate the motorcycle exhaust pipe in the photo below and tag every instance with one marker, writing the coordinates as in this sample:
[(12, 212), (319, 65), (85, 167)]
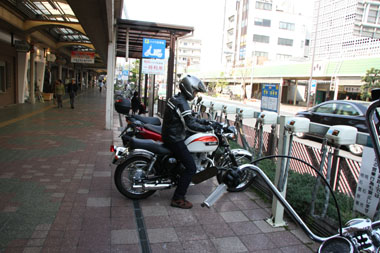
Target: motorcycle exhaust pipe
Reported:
[(215, 195), (149, 187)]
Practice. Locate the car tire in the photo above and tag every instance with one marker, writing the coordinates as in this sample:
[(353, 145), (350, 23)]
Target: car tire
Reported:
[(355, 149)]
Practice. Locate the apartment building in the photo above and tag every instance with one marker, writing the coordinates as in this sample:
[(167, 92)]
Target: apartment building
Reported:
[(188, 54), (345, 29), (264, 30)]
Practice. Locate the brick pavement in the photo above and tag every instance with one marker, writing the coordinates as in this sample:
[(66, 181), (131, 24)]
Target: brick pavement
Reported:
[(57, 194)]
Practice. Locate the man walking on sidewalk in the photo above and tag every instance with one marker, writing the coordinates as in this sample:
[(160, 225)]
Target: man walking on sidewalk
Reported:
[(59, 91)]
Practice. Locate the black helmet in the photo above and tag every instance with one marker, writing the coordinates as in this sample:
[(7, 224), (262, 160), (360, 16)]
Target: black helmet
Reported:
[(190, 84)]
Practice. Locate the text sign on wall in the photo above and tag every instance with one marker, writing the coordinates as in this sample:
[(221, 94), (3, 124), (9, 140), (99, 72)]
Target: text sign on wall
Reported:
[(368, 188), (269, 97), (82, 57), (153, 48), (153, 66)]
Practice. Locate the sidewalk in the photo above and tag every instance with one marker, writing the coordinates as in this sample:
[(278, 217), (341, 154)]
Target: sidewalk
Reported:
[(57, 194)]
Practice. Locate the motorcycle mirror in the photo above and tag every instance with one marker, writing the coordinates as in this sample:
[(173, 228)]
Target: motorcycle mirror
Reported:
[(199, 99)]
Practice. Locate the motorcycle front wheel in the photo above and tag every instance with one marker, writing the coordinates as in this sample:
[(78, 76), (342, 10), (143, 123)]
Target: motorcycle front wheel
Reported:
[(130, 171), (247, 177)]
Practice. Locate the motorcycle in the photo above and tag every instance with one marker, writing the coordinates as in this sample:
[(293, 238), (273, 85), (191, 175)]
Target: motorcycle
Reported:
[(146, 166), (358, 235), (139, 126)]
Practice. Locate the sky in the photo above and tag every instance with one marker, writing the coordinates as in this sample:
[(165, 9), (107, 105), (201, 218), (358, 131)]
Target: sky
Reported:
[(206, 16)]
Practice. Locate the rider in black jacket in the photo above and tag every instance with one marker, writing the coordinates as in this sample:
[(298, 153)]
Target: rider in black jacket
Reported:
[(177, 120)]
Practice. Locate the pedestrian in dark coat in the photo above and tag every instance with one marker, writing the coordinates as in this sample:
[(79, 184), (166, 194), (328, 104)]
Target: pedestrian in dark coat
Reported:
[(72, 89)]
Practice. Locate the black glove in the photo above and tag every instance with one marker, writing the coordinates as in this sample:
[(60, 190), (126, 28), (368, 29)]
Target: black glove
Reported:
[(209, 128), (215, 125)]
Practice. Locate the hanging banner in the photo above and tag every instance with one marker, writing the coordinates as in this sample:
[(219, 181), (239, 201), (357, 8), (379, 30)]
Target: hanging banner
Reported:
[(153, 66), (82, 57)]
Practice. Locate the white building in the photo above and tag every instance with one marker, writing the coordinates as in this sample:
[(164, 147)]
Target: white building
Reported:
[(188, 54), (262, 30), (337, 36)]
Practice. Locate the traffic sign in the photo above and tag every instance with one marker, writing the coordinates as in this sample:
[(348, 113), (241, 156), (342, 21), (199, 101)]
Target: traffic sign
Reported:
[(153, 48)]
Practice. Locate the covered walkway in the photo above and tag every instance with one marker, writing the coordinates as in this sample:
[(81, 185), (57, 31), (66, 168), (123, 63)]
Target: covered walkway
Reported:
[(57, 194)]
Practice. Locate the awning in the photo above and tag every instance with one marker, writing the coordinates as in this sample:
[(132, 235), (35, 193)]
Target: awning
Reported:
[(142, 29)]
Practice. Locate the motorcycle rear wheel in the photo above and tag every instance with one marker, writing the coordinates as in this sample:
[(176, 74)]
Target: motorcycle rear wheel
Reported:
[(127, 172), (248, 176)]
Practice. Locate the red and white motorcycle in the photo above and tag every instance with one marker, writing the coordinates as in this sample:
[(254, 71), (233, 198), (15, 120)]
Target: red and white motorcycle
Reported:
[(146, 166)]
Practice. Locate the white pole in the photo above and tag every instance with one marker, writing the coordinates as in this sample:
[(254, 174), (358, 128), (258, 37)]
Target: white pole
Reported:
[(313, 56)]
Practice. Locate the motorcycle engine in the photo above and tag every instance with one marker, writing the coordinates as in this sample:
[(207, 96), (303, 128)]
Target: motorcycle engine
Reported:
[(168, 165), (201, 161)]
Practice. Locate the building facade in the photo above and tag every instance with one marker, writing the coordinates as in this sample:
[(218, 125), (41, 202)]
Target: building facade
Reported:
[(263, 30), (188, 54)]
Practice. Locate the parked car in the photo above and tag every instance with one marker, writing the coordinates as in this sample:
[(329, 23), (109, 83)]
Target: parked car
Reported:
[(339, 112)]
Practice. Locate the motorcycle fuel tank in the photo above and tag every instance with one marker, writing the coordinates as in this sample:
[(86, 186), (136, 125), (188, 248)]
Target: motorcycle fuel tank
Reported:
[(202, 142)]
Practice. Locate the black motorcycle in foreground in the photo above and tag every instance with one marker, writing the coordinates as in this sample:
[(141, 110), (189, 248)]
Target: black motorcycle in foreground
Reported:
[(146, 166)]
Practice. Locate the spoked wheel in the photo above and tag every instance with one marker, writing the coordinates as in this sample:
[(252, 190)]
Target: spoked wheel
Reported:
[(128, 173), (247, 177)]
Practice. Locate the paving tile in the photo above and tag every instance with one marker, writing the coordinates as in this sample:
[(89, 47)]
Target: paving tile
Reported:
[(203, 246), (283, 238), (159, 221), (229, 244), (244, 228), (266, 228), (154, 211), (179, 220), (258, 242), (121, 248), (124, 236), (172, 247), (102, 174), (223, 206), (296, 249), (256, 214), (158, 235), (234, 216), (189, 233), (218, 230), (98, 202)]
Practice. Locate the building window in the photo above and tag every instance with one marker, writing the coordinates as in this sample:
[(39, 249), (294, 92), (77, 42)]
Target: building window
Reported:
[(260, 53), (283, 56), (242, 53), (285, 42), (262, 22), (3, 77), (231, 19), (260, 38), (307, 42), (229, 45), (263, 6), (287, 26)]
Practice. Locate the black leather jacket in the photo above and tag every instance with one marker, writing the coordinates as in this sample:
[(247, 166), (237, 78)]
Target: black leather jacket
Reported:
[(178, 119)]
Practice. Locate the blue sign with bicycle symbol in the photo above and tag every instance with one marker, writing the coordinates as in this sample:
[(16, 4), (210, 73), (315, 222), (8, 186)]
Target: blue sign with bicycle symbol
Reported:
[(153, 48)]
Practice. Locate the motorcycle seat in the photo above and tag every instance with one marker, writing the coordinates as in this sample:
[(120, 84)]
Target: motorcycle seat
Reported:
[(148, 120), (150, 145), (154, 128)]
